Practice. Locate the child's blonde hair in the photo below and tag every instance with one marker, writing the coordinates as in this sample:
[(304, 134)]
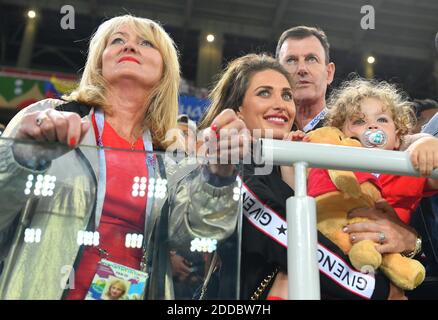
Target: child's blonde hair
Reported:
[(344, 103)]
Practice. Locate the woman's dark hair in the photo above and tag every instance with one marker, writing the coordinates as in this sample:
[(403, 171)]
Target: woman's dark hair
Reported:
[(232, 85)]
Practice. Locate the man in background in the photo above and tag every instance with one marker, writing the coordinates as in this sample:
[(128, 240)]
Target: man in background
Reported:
[(305, 53), (424, 111)]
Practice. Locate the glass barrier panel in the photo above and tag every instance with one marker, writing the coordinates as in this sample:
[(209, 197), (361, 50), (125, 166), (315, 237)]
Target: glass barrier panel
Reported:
[(159, 227)]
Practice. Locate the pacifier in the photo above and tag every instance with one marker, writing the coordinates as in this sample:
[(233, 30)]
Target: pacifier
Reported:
[(374, 138)]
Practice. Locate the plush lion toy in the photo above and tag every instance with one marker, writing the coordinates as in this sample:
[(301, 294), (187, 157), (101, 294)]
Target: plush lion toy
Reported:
[(337, 193)]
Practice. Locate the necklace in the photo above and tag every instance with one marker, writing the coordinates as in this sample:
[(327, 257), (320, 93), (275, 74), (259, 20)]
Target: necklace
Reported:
[(127, 138), (132, 142), (132, 145)]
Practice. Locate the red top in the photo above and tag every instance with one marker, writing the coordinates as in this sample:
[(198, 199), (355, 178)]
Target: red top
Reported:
[(404, 193), (122, 213), (319, 182)]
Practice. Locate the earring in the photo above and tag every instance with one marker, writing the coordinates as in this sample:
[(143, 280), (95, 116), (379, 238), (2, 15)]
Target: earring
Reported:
[(239, 114)]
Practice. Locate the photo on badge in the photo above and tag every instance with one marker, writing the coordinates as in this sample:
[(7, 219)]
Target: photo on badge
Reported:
[(114, 281)]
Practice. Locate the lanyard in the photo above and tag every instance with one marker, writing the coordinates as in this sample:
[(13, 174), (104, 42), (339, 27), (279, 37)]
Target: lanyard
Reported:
[(150, 163), (312, 124)]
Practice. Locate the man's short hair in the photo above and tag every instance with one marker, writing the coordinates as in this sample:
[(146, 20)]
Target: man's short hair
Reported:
[(423, 105), (302, 32)]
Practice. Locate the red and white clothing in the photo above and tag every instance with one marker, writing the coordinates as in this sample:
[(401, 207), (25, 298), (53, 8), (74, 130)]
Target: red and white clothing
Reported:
[(121, 214)]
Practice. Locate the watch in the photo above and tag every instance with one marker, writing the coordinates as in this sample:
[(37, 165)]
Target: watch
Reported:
[(416, 251)]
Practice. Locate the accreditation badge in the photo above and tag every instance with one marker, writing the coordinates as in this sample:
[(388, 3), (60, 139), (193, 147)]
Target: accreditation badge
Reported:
[(114, 281)]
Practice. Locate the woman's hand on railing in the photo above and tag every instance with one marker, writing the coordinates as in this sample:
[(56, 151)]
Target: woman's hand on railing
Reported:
[(383, 227), (297, 135), (53, 125), (288, 172), (48, 126), (228, 139)]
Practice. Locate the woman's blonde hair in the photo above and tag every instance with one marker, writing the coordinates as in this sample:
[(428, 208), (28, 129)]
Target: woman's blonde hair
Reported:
[(122, 285), (163, 101), (233, 83), (344, 103)]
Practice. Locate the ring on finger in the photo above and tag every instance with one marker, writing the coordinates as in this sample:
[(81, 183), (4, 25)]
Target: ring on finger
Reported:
[(39, 120), (382, 237)]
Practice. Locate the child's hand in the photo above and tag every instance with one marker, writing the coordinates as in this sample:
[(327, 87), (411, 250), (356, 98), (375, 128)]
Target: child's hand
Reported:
[(424, 155), (296, 136)]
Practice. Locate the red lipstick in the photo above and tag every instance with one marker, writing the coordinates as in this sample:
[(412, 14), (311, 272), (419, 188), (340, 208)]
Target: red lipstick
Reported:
[(129, 58)]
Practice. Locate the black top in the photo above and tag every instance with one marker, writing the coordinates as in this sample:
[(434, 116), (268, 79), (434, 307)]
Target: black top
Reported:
[(261, 254)]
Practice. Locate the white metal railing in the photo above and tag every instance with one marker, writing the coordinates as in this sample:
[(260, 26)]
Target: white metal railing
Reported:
[(303, 273)]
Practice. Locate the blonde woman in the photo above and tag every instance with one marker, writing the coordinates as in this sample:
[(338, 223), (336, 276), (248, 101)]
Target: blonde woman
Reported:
[(127, 98), (116, 290)]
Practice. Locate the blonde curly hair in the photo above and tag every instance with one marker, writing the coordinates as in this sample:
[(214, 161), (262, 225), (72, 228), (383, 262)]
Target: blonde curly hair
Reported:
[(344, 103)]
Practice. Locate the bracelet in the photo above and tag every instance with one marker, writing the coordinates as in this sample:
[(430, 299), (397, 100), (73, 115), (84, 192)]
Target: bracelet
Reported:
[(416, 251)]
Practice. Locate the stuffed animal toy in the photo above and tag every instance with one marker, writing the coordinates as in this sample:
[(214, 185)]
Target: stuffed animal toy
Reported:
[(337, 193)]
